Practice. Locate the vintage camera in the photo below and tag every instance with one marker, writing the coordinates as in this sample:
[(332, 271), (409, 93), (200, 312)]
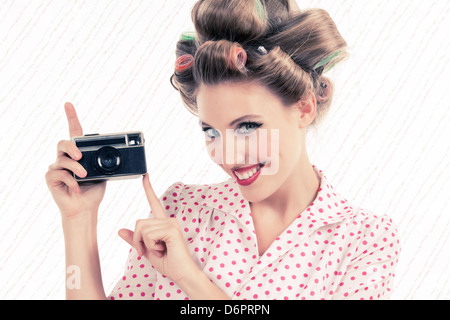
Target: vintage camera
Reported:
[(112, 156)]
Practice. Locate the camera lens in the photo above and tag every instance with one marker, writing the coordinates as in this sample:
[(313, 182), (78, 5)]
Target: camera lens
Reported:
[(108, 160)]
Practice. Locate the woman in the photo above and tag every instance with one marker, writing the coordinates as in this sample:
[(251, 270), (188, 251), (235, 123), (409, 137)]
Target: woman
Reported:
[(253, 74)]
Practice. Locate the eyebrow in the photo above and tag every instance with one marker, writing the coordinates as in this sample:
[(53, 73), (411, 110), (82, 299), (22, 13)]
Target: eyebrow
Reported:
[(232, 123)]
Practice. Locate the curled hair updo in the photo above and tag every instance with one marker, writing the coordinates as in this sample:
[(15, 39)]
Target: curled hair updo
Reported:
[(269, 41)]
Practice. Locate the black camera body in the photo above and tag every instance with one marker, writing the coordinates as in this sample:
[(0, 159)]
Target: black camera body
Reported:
[(112, 156)]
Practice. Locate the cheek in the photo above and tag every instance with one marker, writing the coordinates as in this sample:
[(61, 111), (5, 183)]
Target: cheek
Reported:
[(284, 148), (214, 149), (290, 149), (269, 147)]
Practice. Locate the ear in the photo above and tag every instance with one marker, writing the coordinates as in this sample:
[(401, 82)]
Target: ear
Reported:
[(306, 110)]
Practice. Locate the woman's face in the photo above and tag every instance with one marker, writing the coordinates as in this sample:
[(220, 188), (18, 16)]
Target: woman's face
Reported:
[(251, 135)]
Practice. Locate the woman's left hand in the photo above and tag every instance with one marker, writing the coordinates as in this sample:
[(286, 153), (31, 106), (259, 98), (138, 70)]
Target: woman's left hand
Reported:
[(160, 240)]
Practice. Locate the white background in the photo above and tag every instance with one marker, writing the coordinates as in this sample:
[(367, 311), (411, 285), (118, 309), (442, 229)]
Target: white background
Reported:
[(384, 144)]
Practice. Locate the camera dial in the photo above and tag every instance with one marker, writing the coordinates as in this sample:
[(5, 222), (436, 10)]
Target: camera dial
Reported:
[(108, 160)]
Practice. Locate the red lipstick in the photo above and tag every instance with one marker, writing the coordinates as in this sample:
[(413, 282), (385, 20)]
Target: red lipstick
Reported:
[(242, 175)]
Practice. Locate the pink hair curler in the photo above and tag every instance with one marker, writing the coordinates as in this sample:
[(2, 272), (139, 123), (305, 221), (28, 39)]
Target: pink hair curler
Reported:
[(184, 62), (239, 58)]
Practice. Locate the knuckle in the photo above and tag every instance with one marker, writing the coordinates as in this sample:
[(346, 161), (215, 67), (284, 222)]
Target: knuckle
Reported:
[(61, 162), (50, 173), (61, 174), (61, 145), (146, 236), (51, 176), (73, 147), (139, 223), (66, 146), (57, 163)]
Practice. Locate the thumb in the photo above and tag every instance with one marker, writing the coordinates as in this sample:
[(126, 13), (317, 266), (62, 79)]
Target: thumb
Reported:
[(126, 235)]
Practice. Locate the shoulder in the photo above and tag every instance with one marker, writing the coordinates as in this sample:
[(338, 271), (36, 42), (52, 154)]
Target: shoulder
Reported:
[(180, 195), (368, 236), (374, 232), (331, 207), (372, 251), (372, 223)]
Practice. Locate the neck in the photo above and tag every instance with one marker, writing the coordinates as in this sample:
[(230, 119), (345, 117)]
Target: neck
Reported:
[(294, 195)]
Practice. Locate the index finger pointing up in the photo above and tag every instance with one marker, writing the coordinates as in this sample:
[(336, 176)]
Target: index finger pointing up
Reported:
[(152, 199), (75, 128)]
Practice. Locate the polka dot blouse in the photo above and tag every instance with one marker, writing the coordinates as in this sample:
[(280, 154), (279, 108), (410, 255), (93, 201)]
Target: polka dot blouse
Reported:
[(332, 250)]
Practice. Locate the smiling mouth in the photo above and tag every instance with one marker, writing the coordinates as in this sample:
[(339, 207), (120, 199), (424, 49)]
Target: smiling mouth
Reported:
[(247, 175)]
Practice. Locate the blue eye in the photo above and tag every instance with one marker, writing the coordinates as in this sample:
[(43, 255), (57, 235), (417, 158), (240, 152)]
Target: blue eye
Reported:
[(248, 127), (211, 133)]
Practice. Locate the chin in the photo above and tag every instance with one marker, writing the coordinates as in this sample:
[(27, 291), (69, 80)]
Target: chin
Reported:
[(259, 190)]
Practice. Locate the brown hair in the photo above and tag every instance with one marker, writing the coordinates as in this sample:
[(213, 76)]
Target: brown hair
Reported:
[(268, 41)]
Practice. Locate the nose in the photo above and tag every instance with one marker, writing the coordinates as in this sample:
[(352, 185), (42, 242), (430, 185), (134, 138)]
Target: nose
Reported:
[(234, 150)]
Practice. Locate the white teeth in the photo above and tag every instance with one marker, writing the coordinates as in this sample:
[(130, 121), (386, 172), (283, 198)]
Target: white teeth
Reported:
[(247, 174)]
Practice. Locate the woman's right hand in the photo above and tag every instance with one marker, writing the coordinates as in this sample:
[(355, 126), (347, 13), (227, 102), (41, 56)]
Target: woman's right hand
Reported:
[(73, 200)]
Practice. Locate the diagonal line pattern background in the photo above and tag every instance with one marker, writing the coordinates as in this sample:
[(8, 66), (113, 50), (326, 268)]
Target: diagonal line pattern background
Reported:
[(384, 143)]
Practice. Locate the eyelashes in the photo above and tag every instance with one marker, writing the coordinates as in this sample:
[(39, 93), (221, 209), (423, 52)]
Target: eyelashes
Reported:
[(210, 132), (242, 128), (253, 126)]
